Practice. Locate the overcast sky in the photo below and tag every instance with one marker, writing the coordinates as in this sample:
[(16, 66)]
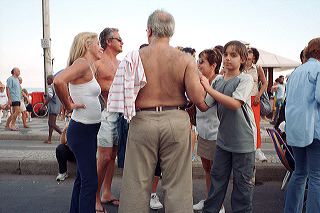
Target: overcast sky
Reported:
[(280, 26)]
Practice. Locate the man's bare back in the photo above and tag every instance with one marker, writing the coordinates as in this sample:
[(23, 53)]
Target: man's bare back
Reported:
[(170, 73)]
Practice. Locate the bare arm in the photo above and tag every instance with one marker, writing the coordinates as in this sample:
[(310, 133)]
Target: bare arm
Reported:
[(71, 73), (264, 84), (194, 89), (225, 100), (8, 95)]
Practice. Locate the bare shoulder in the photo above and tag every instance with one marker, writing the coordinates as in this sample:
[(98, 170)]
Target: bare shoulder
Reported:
[(79, 66)]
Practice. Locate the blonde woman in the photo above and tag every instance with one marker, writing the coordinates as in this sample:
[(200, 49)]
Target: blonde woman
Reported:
[(84, 91)]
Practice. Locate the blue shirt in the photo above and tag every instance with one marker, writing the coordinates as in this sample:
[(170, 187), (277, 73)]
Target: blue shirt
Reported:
[(14, 88), (303, 104)]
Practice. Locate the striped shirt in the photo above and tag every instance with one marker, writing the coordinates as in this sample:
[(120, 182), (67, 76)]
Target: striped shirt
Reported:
[(129, 79)]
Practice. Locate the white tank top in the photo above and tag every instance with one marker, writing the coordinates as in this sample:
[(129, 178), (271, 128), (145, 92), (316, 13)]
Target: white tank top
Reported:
[(87, 94)]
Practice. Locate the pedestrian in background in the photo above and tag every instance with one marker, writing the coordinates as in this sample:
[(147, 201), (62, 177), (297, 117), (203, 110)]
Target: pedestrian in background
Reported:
[(14, 98), (4, 106), (259, 86), (53, 103)]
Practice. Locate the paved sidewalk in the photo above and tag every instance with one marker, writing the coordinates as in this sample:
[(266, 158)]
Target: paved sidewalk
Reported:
[(23, 152)]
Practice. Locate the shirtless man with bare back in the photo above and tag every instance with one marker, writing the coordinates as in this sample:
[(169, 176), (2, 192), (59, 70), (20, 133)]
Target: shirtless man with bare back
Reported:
[(111, 43), (161, 128)]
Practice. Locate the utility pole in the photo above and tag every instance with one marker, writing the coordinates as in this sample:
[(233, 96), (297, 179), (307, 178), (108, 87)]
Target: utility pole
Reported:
[(46, 42)]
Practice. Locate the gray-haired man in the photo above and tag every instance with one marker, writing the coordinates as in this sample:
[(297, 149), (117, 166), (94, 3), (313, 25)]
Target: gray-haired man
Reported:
[(161, 129)]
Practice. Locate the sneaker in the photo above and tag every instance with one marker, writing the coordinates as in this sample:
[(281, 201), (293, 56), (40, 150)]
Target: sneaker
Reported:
[(154, 202), (198, 206), (62, 176), (193, 157), (260, 156), (222, 210)]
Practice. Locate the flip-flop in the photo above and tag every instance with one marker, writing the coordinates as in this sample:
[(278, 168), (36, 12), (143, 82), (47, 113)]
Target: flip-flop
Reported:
[(111, 202), (47, 142), (14, 129)]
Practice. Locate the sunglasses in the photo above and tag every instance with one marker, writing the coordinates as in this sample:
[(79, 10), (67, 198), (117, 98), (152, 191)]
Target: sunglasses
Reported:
[(118, 39)]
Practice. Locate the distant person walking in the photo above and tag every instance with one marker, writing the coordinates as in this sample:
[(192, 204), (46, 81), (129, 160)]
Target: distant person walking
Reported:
[(23, 109), (14, 98), (53, 103), (302, 114), (85, 119), (280, 96)]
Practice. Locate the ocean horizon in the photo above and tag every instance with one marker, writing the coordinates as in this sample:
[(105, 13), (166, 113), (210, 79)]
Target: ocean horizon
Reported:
[(34, 89)]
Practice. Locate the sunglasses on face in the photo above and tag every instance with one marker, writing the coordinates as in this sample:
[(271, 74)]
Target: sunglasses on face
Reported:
[(118, 39)]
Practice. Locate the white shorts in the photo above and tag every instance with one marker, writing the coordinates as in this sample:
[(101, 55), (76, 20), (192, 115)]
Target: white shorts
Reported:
[(108, 132), (22, 106)]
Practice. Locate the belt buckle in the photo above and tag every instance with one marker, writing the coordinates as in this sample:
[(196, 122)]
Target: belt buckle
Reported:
[(158, 108)]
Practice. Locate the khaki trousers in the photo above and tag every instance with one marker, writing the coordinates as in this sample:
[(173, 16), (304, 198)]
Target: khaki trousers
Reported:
[(152, 135)]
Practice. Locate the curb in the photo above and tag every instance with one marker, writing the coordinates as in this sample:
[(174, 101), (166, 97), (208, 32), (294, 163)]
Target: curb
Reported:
[(264, 172), (27, 137)]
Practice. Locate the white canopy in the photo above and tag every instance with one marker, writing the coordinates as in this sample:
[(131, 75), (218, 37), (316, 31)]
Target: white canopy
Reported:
[(272, 60)]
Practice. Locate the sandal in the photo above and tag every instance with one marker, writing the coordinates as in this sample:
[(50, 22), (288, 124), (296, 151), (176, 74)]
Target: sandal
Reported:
[(112, 202), (101, 210)]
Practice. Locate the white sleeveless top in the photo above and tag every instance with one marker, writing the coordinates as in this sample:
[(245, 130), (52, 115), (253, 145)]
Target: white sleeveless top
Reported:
[(87, 94), (253, 71)]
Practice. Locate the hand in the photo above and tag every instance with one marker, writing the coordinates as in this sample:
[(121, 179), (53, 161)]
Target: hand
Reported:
[(73, 106), (204, 81), (256, 100)]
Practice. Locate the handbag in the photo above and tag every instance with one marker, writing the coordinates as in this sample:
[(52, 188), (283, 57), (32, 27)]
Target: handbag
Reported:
[(265, 106)]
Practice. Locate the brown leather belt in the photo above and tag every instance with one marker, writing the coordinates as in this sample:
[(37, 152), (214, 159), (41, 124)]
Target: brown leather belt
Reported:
[(160, 108)]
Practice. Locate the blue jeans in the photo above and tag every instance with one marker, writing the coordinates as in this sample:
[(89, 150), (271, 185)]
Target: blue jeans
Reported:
[(82, 140), (122, 128), (306, 166)]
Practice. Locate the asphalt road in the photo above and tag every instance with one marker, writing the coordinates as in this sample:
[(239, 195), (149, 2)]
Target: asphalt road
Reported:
[(42, 194)]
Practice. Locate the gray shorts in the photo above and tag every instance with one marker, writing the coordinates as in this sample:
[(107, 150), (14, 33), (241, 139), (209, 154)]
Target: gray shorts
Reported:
[(108, 133), (206, 148)]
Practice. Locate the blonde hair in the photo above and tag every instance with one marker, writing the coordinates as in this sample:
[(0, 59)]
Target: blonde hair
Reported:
[(80, 44)]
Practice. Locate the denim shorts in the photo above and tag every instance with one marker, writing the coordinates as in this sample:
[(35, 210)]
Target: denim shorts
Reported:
[(108, 133)]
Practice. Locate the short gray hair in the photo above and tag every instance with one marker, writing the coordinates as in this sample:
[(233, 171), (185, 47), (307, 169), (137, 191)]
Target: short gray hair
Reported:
[(106, 34), (161, 23)]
